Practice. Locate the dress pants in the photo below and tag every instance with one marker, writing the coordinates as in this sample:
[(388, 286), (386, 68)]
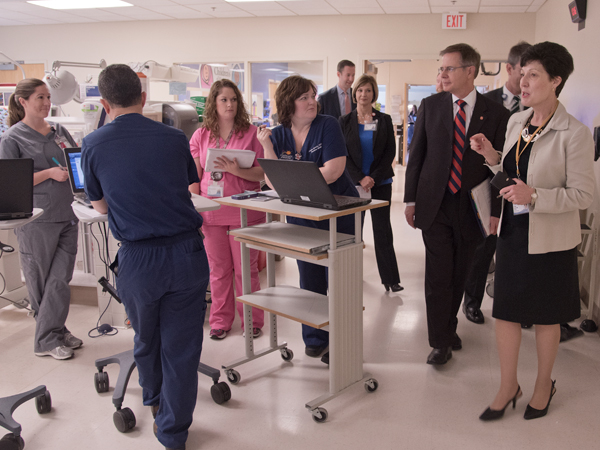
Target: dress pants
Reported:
[(162, 283), (225, 259), (313, 278), (48, 251), (384, 237), (447, 259), (477, 278)]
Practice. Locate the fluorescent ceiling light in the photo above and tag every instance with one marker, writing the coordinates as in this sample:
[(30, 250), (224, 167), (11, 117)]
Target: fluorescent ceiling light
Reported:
[(288, 71), (218, 65), (272, 70), (80, 4)]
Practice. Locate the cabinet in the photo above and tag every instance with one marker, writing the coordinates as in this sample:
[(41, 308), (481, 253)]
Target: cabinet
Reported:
[(340, 312)]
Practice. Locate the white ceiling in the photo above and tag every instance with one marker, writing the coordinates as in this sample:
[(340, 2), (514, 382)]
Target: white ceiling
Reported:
[(19, 12)]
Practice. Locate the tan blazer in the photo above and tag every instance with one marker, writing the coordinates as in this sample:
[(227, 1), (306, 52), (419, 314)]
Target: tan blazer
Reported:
[(561, 170)]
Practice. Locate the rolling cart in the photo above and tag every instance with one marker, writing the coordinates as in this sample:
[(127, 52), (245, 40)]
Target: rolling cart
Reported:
[(124, 418), (340, 312), (43, 400)]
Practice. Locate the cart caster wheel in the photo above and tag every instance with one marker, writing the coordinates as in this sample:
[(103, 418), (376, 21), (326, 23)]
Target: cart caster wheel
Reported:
[(220, 392), (43, 403), (101, 382), (12, 442), (319, 415), (287, 354), (124, 420), (233, 376), (371, 385), (589, 326)]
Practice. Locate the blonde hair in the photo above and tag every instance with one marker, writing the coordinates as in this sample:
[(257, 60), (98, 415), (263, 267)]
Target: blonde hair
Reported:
[(25, 88), (366, 79)]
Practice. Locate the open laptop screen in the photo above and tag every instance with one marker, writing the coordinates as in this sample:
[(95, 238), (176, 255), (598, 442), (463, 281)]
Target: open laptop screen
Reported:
[(73, 156)]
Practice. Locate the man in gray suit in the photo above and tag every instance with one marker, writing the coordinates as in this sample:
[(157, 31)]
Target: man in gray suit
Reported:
[(509, 96), (337, 101)]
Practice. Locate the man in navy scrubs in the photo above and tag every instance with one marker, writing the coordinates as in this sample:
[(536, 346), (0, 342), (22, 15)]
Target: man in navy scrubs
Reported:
[(138, 171)]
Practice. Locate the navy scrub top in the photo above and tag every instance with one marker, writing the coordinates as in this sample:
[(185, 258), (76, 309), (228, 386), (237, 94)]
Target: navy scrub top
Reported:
[(323, 143)]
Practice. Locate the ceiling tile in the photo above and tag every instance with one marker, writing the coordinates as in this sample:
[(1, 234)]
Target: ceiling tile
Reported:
[(360, 10), (399, 9), (135, 12), (455, 4), (10, 22), (462, 9), (352, 3), (271, 13), (208, 7), (145, 3), (178, 12), (503, 9), (506, 2), (310, 7)]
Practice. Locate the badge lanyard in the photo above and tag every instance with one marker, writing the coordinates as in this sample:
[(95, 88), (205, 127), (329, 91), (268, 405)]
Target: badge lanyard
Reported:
[(217, 187), (519, 152)]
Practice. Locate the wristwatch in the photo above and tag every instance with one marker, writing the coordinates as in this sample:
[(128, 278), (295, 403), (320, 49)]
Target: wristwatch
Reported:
[(534, 197)]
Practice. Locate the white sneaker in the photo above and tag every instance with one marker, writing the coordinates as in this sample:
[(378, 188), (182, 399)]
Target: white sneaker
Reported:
[(71, 341), (60, 352)]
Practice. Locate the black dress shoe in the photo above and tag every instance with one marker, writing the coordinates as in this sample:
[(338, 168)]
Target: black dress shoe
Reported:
[(314, 351), (439, 356), (473, 314), (325, 358), (456, 342), (394, 287), (567, 332), (532, 413)]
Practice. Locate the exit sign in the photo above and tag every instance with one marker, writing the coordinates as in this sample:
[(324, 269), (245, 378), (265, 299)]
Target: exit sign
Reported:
[(454, 21)]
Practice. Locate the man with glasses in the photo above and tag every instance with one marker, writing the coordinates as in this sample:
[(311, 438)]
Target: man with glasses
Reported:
[(441, 172)]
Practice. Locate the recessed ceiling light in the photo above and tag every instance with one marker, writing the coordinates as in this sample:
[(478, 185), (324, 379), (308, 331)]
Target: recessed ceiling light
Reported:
[(80, 4)]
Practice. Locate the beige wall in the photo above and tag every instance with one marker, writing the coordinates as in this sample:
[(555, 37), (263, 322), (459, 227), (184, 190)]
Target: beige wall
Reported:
[(581, 94)]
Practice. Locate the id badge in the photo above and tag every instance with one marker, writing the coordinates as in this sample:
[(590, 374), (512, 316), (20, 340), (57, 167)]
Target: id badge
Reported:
[(520, 209), (216, 189), (61, 141), (371, 126)]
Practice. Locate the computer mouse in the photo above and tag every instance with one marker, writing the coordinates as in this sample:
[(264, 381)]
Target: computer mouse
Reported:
[(105, 328)]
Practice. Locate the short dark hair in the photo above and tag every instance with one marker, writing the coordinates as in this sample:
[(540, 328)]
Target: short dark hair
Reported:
[(120, 86), (344, 63), (288, 91), (468, 55), (366, 79), (516, 51), (555, 59)]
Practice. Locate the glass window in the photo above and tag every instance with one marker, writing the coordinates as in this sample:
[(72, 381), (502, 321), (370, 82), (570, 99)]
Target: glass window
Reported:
[(267, 76)]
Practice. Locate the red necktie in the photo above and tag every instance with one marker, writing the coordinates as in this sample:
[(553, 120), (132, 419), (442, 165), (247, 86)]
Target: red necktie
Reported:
[(460, 133), (347, 101)]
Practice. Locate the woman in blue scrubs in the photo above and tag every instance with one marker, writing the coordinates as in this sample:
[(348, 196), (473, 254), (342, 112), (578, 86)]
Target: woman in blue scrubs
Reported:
[(305, 135)]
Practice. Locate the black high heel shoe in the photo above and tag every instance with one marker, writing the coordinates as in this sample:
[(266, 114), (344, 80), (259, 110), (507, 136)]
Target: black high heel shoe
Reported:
[(394, 287), (532, 413), (493, 414)]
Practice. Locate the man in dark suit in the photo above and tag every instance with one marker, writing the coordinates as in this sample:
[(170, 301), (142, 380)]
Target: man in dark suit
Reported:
[(441, 172), (337, 101), (508, 96)]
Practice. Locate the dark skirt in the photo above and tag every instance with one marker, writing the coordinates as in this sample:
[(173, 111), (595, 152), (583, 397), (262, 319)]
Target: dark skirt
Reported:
[(534, 289)]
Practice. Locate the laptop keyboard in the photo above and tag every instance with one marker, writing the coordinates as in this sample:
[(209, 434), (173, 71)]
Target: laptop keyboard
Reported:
[(342, 201)]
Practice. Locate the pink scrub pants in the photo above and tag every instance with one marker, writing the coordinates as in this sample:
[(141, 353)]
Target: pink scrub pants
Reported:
[(224, 259)]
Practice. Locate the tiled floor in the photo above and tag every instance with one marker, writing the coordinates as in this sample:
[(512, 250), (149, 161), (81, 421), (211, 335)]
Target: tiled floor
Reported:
[(416, 406)]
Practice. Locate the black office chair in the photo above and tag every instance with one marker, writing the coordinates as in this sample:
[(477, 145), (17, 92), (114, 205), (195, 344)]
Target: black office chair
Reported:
[(43, 404), (124, 418)]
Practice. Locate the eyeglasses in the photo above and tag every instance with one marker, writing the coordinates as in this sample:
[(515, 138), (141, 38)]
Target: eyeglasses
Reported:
[(450, 69)]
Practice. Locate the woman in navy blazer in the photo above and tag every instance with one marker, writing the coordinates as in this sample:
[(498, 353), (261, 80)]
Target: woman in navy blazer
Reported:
[(371, 148)]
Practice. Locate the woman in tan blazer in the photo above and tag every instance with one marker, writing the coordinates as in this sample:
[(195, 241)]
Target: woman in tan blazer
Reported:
[(549, 155)]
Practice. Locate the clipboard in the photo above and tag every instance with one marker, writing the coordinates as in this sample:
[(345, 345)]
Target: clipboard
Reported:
[(245, 158), (481, 199)]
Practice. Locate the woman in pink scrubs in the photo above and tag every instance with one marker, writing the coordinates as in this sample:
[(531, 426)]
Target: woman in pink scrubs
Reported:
[(227, 126)]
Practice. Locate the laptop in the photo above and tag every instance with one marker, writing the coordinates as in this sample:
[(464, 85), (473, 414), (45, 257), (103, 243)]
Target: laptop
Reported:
[(302, 183), (16, 188), (73, 157)]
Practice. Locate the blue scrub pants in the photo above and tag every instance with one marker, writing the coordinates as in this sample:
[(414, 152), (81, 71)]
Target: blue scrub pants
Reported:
[(162, 283), (314, 278)]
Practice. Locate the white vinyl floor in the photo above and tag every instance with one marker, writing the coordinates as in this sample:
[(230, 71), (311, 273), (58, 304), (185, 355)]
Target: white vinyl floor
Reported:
[(417, 406)]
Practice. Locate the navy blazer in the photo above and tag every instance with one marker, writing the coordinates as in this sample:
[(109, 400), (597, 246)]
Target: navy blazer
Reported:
[(496, 95), (384, 147), (330, 103), (430, 160)]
